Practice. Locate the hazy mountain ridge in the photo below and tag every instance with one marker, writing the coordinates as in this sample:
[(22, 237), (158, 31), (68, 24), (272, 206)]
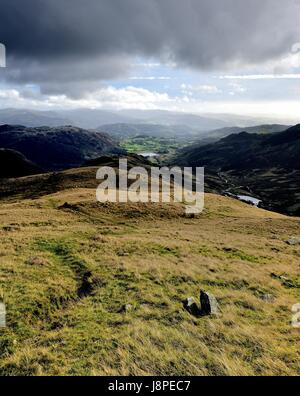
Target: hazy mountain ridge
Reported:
[(93, 118), (32, 118), (122, 130)]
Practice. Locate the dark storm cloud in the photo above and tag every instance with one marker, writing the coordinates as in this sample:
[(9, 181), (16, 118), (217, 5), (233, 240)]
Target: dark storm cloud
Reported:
[(56, 42)]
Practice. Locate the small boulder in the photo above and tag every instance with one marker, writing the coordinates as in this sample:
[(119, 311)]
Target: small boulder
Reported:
[(191, 306), (268, 298), (35, 260), (99, 239), (293, 241), (68, 206), (209, 304), (2, 315), (121, 253), (126, 308)]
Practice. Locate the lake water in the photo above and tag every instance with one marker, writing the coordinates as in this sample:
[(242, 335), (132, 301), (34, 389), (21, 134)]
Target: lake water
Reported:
[(246, 198), (148, 154)]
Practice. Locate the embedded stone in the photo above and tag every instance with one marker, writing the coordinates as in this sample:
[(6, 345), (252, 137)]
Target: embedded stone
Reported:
[(191, 306), (209, 304)]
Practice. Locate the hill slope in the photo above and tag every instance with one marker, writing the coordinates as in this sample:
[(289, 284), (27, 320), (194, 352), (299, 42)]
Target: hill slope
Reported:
[(56, 148), (248, 151), (69, 265), (14, 164), (259, 129), (266, 166)]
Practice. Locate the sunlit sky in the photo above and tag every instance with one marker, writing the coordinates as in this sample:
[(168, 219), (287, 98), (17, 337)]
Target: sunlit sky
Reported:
[(200, 56)]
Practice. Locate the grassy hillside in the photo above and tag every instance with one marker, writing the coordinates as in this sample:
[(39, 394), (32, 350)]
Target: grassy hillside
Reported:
[(67, 271)]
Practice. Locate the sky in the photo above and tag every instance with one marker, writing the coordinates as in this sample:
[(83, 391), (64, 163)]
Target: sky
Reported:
[(198, 56)]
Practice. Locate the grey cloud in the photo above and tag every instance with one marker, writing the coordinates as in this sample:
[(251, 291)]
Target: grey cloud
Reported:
[(67, 75), (60, 44)]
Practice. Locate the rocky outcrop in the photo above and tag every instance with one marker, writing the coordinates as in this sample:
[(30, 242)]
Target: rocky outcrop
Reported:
[(208, 305)]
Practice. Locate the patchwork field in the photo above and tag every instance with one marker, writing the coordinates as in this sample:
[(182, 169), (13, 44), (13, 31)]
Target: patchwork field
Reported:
[(97, 289)]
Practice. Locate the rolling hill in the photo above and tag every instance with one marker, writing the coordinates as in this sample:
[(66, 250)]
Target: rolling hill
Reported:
[(266, 166), (56, 148), (248, 151), (14, 164), (258, 129)]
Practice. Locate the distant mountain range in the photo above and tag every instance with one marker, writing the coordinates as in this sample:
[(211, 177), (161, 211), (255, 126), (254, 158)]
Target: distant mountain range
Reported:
[(171, 118), (31, 118), (183, 132), (93, 119), (123, 131), (56, 148)]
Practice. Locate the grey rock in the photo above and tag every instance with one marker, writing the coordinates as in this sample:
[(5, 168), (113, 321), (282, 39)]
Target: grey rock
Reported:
[(35, 260), (127, 308), (209, 304), (121, 253), (268, 298), (191, 306), (2, 315), (293, 241)]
